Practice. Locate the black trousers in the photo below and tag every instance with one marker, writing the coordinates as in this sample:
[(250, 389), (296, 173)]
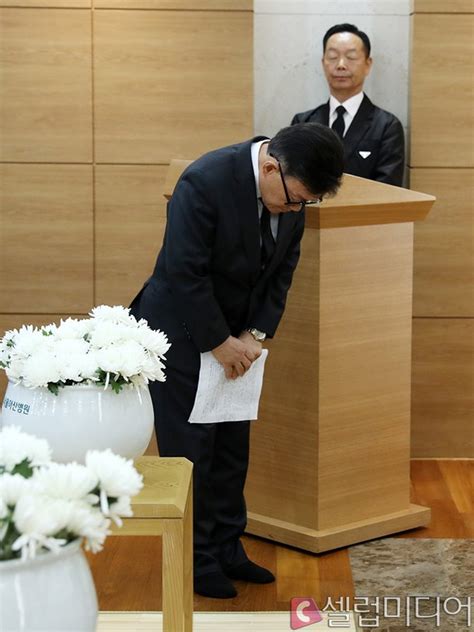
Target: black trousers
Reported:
[(219, 452)]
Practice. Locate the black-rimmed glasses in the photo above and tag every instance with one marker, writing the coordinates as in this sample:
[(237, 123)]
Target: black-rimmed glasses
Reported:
[(289, 202)]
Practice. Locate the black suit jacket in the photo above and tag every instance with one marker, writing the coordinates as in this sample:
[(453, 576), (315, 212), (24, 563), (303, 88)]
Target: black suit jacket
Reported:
[(207, 282), (373, 130)]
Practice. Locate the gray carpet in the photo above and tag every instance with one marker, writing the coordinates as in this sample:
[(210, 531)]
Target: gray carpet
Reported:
[(408, 568)]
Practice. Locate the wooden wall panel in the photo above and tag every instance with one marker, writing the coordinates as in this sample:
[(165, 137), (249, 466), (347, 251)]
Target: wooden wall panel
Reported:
[(444, 6), (130, 220), (195, 5), (442, 116), (444, 245), (46, 105), (50, 4), (442, 152), (443, 388), (46, 263), (162, 92)]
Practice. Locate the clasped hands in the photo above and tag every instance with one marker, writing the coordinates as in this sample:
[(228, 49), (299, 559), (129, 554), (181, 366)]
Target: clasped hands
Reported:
[(237, 354)]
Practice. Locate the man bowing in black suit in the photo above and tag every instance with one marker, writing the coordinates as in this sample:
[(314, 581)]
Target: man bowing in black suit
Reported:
[(232, 241), (373, 138)]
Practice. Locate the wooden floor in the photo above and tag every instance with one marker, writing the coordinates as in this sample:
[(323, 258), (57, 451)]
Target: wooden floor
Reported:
[(128, 572)]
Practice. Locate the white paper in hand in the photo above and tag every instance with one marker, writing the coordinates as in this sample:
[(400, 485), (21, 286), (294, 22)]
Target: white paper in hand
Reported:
[(219, 399)]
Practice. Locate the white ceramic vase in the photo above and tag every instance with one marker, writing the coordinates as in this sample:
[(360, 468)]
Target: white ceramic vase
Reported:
[(81, 418), (53, 593)]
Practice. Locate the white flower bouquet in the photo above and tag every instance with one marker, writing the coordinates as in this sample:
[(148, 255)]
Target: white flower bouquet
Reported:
[(45, 505), (109, 348)]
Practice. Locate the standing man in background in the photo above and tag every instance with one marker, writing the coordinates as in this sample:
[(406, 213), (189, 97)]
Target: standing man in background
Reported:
[(373, 138), (232, 242)]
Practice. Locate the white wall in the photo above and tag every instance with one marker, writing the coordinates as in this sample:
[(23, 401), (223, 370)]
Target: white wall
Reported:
[(288, 49)]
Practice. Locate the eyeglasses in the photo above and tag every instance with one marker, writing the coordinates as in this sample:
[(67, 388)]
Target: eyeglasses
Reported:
[(289, 202)]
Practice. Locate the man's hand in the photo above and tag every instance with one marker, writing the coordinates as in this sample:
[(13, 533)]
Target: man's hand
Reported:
[(235, 356), (254, 348)]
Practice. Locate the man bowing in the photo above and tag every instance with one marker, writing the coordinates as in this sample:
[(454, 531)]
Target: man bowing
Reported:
[(232, 241)]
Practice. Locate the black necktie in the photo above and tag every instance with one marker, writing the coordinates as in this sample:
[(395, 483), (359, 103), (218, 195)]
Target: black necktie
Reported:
[(268, 243), (338, 126)]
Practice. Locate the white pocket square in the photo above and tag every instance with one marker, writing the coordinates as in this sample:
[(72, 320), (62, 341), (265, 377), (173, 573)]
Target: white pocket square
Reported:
[(365, 154)]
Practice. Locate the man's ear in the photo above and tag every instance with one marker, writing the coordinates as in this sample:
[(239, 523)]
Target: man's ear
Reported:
[(368, 62), (269, 166)]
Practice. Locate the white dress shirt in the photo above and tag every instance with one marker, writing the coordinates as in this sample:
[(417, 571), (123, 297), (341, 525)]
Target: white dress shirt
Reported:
[(255, 150), (351, 105)]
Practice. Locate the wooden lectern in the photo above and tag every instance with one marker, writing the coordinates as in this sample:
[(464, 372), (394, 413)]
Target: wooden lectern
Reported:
[(330, 453)]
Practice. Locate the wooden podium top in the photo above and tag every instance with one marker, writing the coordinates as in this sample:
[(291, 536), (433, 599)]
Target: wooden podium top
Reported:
[(359, 202), (166, 486)]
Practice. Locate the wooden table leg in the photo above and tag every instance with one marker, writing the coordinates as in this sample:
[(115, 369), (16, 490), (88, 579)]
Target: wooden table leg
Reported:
[(178, 572)]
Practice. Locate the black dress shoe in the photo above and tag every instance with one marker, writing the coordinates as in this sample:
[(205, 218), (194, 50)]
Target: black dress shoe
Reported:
[(250, 572), (215, 585)]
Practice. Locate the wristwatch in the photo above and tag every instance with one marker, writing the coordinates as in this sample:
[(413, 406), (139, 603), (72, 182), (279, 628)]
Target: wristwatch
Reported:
[(257, 334)]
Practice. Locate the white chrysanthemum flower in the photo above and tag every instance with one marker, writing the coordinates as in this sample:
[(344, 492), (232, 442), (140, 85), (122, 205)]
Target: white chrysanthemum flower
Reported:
[(41, 514), (38, 519), (122, 508), (40, 369), (139, 381), (4, 353), (70, 346), (125, 358), (153, 369), (106, 333), (117, 475), (28, 340), (13, 487), (89, 523), (69, 481), (115, 314), (133, 358), (88, 366), (153, 340), (73, 329), (9, 337), (3, 515), (69, 370), (17, 446), (109, 359), (14, 370), (70, 354)]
